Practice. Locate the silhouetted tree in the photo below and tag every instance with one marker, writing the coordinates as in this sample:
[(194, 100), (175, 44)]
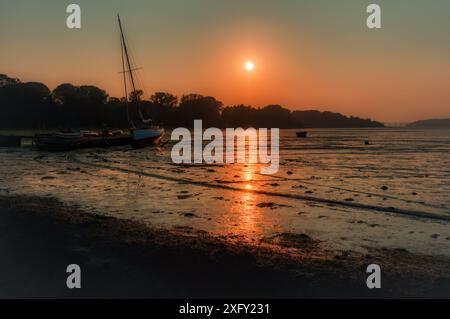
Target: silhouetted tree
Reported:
[(239, 116), (163, 107), (164, 99), (22, 104), (6, 80), (136, 95), (31, 105), (115, 113), (198, 107), (319, 119), (276, 116), (81, 106)]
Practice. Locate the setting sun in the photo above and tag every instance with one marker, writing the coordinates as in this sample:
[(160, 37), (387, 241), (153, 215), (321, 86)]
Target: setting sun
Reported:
[(249, 66)]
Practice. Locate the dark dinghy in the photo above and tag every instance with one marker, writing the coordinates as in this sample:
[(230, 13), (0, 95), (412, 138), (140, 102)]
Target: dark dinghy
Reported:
[(10, 141), (62, 142)]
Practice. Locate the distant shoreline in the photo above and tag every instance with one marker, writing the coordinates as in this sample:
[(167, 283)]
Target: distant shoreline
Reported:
[(431, 123), (30, 132), (123, 258), (34, 105)]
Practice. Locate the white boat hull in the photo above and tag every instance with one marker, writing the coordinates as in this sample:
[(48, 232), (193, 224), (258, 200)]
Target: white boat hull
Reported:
[(147, 137)]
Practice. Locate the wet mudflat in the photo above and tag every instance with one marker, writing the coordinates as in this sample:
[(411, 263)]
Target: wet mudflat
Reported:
[(128, 259), (393, 193), (334, 197)]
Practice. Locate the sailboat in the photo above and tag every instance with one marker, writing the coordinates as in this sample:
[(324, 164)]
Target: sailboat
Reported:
[(144, 133)]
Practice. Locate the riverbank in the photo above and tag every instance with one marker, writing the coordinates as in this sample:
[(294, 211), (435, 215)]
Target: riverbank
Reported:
[(123, 258)]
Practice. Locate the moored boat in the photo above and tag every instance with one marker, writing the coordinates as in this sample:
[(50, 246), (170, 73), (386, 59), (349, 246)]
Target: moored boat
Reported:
[(10, 141), (143, 130), (145, 137), (62, 142), (58, 142)]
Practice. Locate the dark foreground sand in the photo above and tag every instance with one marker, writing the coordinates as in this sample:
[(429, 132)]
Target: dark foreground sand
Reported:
[(39, 237)]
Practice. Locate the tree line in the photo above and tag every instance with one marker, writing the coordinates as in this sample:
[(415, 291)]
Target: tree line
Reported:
[(33, 105)]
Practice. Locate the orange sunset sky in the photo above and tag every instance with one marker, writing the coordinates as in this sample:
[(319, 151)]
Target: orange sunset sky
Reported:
[(307, 54)]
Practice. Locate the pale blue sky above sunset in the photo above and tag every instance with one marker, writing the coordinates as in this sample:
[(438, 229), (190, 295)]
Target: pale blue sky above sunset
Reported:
[(307, 54)]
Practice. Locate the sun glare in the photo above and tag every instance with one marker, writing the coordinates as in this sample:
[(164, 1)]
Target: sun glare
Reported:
[(249, 66)]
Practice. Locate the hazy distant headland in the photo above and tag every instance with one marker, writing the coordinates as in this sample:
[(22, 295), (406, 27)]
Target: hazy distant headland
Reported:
[(432, 123), (317, 119), (32, 105)]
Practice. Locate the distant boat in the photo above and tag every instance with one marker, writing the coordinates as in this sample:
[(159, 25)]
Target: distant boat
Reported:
[(57, 142), (10, 141), (302, 134), (144, 133), (63, 142)]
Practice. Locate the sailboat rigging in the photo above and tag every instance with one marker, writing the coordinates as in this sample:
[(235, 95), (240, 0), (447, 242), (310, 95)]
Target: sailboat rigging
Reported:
[(144, 134)]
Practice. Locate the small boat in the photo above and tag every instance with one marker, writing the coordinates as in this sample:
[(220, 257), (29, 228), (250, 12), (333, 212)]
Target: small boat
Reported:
[(90, 133), (10, 141), (63, 142), (70, 134), (117, 132), (144, 137), (58, 142), (143, 131), (302, 134)]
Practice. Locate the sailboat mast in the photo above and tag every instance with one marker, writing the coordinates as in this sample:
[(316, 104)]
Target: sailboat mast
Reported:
[(125, 83), (130, 70), (126, 55)]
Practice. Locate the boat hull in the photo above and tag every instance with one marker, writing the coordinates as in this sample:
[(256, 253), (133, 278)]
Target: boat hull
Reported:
[(147, 137), (58, 143), (10, 141)]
